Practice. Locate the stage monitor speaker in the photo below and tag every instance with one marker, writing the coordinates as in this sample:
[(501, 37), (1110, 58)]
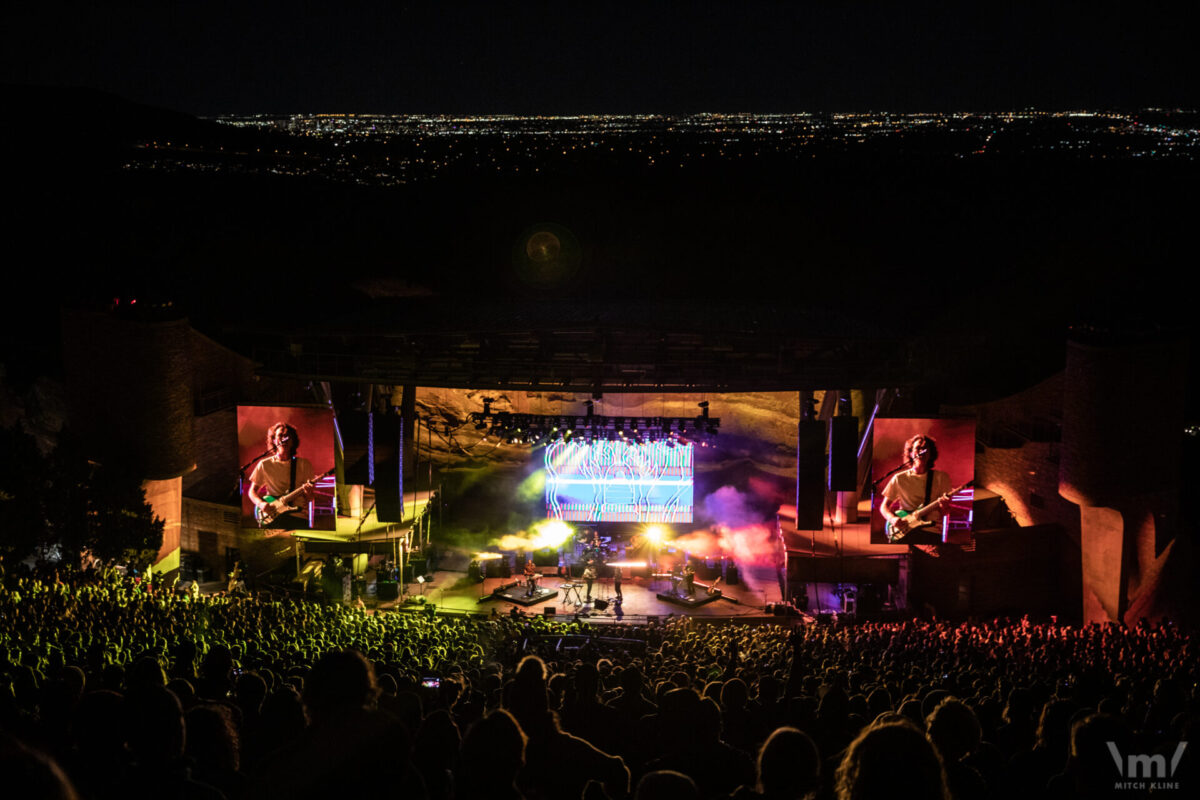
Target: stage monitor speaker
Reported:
[(355, 430), (387, 455), (549, 611), (600, 605), (810, 475), (387, 590), (843, 454)]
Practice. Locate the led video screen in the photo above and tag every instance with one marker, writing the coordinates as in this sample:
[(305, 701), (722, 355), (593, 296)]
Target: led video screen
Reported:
[(287, 463), (619, 481)]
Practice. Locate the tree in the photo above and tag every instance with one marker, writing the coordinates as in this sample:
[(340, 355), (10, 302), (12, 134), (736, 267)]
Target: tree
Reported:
[(100, 508), (23, 494)]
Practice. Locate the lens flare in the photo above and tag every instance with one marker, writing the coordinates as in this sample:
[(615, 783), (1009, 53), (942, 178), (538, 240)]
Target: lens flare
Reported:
[(549, 534), (552, 532)]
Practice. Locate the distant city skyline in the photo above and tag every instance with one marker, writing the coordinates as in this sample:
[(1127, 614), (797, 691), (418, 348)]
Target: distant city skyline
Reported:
[(394, 149), (616, 57)]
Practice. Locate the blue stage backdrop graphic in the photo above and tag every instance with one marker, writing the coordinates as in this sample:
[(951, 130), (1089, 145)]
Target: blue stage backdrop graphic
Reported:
[(619, 481)]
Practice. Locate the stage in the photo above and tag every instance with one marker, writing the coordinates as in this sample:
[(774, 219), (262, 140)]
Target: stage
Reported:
[(565, 597)]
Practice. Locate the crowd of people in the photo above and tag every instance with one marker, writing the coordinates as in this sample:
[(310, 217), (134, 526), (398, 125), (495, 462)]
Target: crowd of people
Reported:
[(108, 682)]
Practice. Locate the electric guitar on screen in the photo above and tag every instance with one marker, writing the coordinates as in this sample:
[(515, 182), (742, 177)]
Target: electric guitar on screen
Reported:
[(277, 506), (909, 521)]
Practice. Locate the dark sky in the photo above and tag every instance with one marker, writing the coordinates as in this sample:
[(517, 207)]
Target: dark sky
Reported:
[(578, 56)]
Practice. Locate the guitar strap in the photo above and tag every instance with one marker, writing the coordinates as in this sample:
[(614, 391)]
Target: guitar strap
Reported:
[(292, 480), (928, 484)]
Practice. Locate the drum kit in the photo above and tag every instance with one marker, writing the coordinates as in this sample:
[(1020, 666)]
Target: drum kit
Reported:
[(594, 546)]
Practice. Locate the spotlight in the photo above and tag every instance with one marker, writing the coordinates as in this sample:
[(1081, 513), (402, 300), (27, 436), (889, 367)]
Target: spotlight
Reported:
[(551, 533)]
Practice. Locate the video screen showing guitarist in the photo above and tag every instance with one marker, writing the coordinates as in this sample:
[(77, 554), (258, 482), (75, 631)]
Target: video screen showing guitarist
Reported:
[(281, 485), (917, 462), (916, 500), (286, 485), (918, 486)]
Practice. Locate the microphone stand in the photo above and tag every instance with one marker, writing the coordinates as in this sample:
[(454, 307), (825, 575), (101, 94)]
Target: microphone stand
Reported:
[(241, 483), (890, 473)]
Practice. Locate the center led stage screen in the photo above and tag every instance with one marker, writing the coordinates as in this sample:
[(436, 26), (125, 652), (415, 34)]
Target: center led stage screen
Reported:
[(619, 482)]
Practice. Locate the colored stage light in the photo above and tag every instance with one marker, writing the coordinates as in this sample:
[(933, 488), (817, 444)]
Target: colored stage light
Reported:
[(655, 534), (551, 533)]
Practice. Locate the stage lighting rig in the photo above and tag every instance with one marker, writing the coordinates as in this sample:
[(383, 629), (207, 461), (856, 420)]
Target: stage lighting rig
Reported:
[(537, 429)]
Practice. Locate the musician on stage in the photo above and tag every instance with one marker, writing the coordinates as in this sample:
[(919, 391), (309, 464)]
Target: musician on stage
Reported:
[(280, 474), (917, 486), (589, 575), (530, 577), (689, 579)]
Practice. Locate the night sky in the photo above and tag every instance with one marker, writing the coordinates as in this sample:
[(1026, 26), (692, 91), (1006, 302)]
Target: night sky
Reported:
[(608, 57)]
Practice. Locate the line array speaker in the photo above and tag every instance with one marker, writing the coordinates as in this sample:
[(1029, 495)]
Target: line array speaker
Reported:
[(810, 475)]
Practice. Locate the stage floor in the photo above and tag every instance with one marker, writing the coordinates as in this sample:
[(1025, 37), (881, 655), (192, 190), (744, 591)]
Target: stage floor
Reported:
[(452, 591)]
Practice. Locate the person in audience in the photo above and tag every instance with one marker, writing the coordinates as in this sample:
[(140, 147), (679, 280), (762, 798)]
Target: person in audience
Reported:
[(788, 768), (955, 732), (887, 756), (493, 754)]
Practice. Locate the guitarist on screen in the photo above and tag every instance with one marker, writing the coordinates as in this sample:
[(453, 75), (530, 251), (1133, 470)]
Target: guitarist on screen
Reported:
[(282, 474), (920, 488)]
